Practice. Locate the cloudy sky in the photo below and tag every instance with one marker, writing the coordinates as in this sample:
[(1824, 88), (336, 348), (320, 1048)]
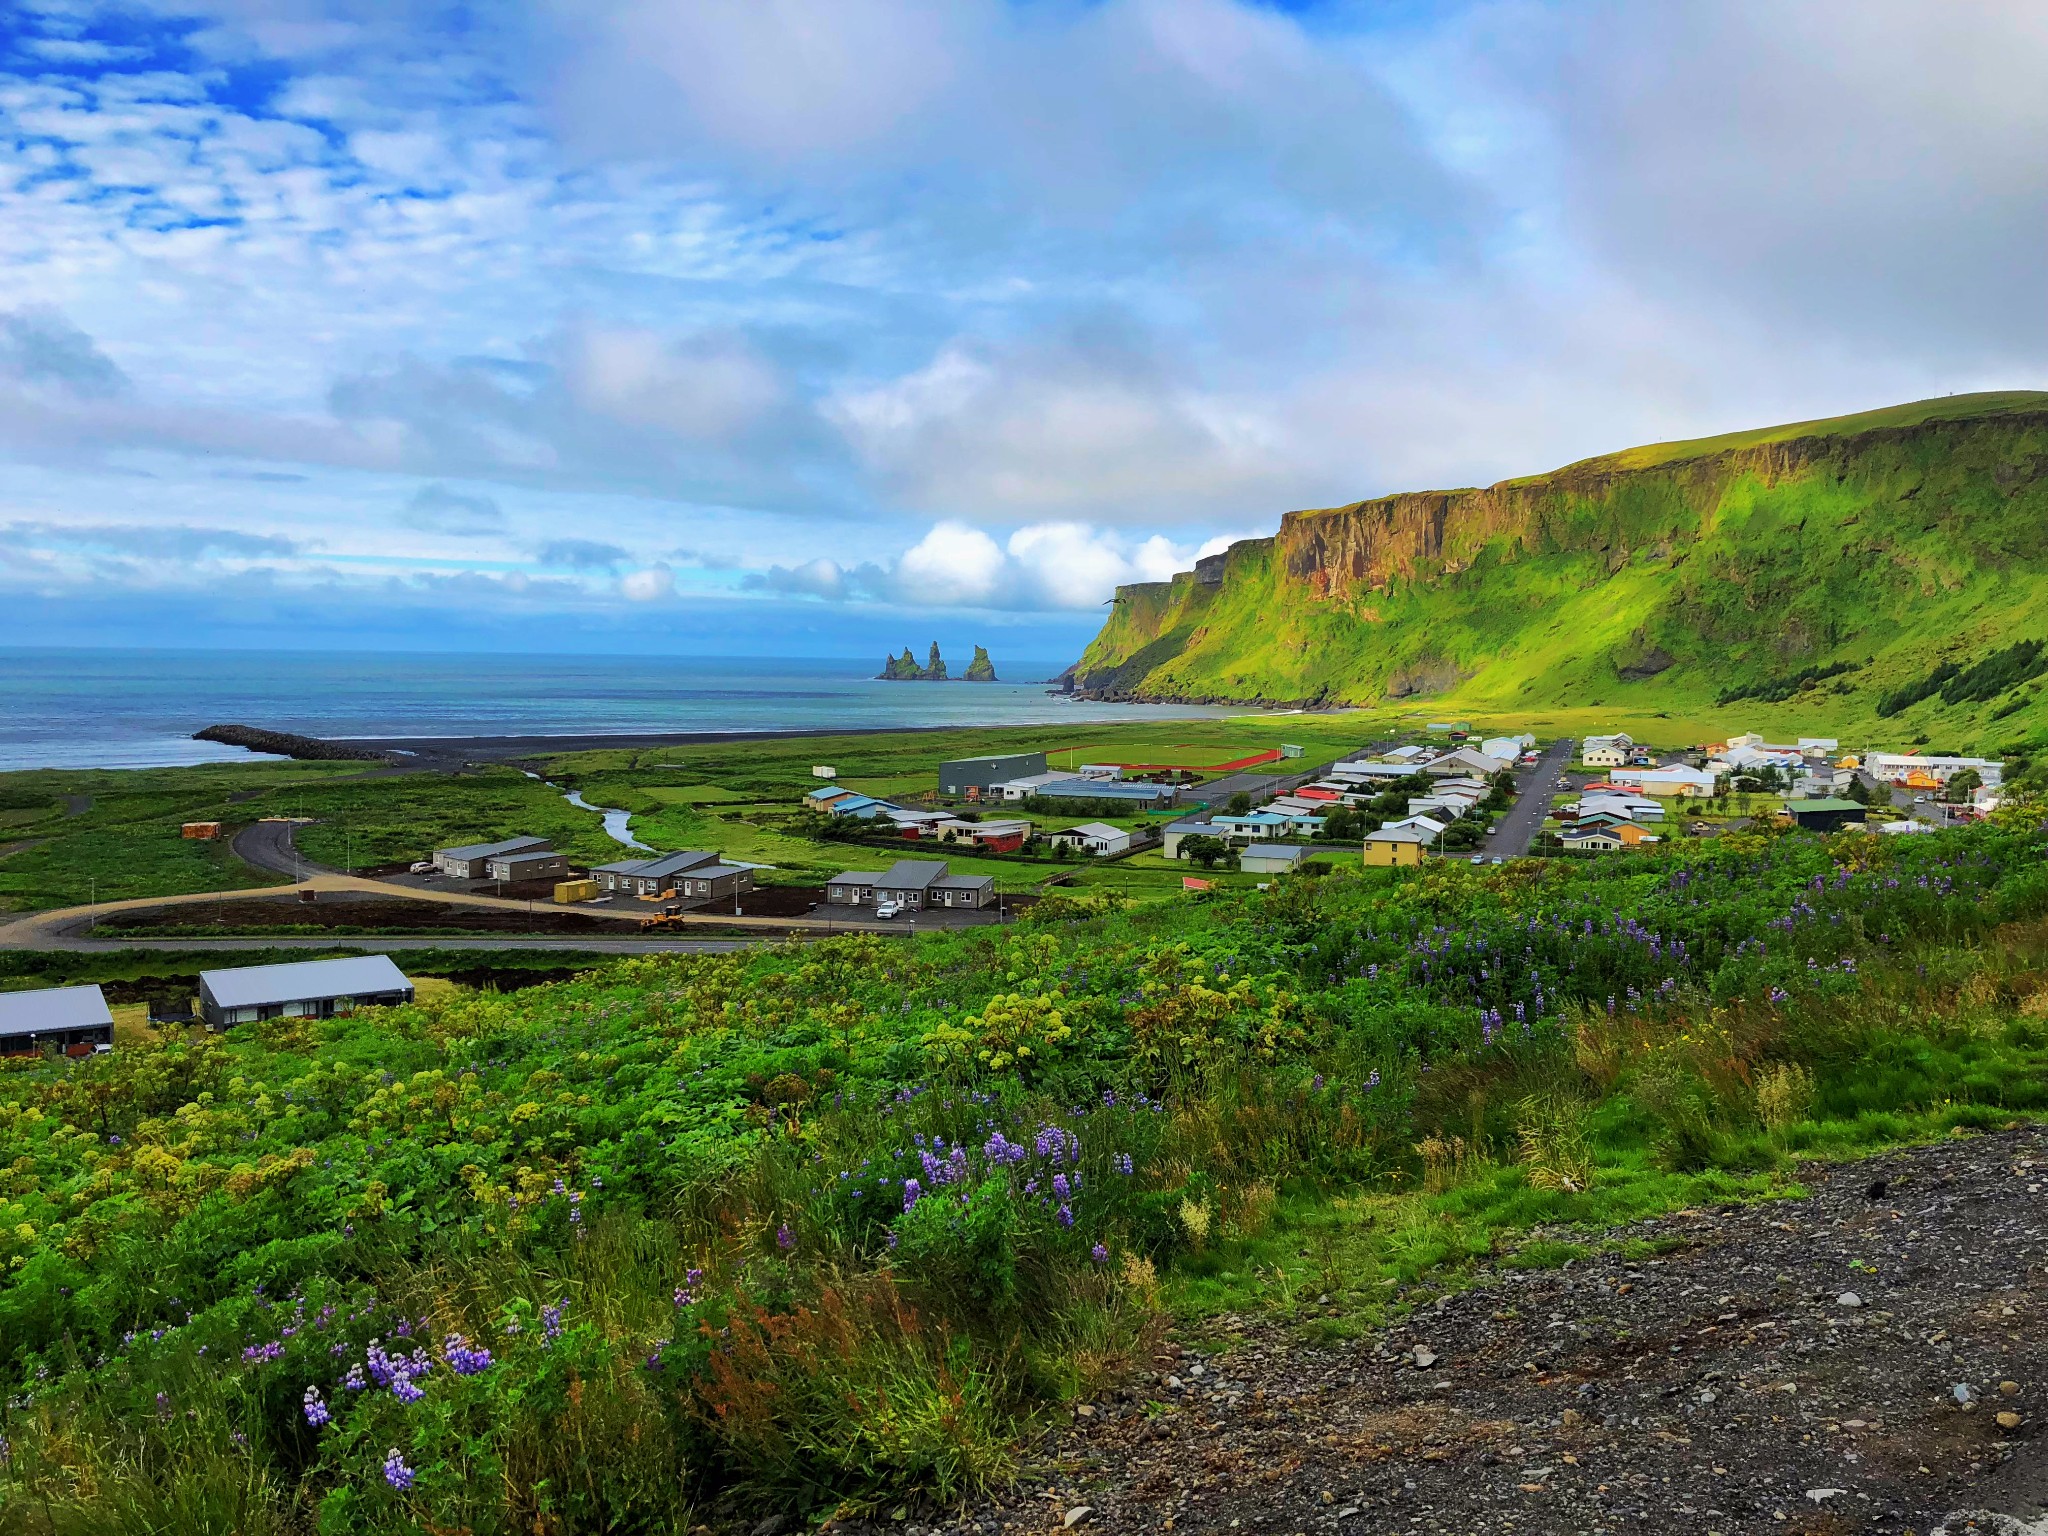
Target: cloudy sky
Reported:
[(784, 326)]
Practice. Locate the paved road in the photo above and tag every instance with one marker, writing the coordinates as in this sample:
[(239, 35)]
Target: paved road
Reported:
[(268, 845), (1519, 823), (383, 945)]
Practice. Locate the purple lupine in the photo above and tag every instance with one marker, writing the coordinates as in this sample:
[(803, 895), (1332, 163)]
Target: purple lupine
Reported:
[(316, 1410), (784, 1238), (551, 1320), (1060, 1186), (1066, 1215), (396, 1472), (911, 1191), (1099, 1254)]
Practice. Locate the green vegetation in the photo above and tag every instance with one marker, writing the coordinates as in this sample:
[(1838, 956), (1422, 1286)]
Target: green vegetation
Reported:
[(1792, 580), (690, 1238), (1985, 679)]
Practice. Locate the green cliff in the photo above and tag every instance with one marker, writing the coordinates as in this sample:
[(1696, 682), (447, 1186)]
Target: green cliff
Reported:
[(1846, 561), (981, 669)]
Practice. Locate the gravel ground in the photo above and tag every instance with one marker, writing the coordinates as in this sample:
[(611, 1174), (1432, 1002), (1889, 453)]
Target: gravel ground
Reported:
[(1869, 1359)]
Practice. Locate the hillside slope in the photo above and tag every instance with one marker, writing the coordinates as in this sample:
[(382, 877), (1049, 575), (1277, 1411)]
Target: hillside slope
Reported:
[(1844, 559)]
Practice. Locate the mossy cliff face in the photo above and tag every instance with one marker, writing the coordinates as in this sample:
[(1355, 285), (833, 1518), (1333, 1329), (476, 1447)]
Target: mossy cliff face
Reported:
[(1684, 572)]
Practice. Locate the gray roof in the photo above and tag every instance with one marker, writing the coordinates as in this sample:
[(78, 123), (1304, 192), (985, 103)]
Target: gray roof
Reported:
[(1294, 853), (1395, 835), (964, 883), (661, 864), (1190, 826), (1105, 789), (857, 877), (252, 986), (492, 850), (53, 1008), (913, 874)]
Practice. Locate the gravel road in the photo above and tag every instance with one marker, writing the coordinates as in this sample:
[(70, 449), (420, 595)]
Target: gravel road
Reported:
[(1871, 1358)]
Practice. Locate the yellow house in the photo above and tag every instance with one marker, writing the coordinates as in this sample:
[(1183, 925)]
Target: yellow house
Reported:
[(1391, 846)]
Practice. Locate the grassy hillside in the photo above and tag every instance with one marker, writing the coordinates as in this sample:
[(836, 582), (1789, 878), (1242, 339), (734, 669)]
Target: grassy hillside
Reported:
[(1802, 573)]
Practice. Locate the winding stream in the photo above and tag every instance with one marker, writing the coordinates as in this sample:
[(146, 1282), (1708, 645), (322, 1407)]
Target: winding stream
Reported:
[(615, 822)]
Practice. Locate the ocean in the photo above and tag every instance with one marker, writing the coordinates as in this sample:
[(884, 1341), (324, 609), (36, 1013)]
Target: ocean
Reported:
[(138, 709)]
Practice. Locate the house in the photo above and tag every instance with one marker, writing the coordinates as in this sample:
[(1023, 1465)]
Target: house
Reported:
[(1144, 796), (1667, 783), (1429, 828), (1507, 748), (1607, 751), (1901, 767), (1321, 792), (824, 771), (1467, 760), (1178, 832), (73, 1020), (309, 989), (1395, 845), (822, 799), (1902, 828), (652, 879), (1006, 835), (1100, 770), (961, 774), (1095, 837), (1272, 858), (1597, 840), (533, 864), (469, 863), (1632, 835), (1824, 815), (860, 807), (911, 883)]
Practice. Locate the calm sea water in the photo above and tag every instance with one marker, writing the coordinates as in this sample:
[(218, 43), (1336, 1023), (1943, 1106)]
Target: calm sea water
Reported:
[(132, 709)]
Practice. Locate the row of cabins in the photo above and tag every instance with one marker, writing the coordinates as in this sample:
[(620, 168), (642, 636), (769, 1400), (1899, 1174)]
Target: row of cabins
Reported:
[(692, 875), (76, 1021), (1014, 776)]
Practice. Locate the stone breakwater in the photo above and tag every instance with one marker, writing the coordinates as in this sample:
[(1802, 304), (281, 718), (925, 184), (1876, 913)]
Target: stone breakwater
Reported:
[(288, 744)]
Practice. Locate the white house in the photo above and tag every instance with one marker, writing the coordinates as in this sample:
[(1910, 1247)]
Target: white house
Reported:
[(1428, 826), (1607, 751), (1095, 837), (1507, 748), (1893, 767)]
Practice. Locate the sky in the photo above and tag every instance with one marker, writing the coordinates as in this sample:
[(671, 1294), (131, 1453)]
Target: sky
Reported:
[(805, 326)]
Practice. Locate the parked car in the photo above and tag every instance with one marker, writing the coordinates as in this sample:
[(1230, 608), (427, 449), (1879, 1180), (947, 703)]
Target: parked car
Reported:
[(1478, 858), (887, 909), (423, 867)]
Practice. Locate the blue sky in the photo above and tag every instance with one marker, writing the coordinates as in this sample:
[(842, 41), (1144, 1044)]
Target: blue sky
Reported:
[(793, 326)]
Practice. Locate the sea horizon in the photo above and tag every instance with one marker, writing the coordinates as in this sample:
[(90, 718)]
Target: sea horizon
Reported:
[(120, 707)]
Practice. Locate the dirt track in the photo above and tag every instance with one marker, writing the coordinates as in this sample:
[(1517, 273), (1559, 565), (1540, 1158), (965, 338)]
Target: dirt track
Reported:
[(1789, 1367)]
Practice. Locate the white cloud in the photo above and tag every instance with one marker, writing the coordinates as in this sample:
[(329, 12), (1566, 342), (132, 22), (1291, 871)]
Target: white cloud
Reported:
[(650, 585), (951, 566)]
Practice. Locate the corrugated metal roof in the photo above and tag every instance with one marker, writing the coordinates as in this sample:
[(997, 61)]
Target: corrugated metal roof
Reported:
[(913, 874), (1290, 851), (964, 883), (492, 850), (53, 1008), (659, 865), (253, 986)]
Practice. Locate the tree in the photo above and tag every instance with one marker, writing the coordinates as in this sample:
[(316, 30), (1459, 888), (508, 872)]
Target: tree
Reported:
[(1504, 782), (1959, 789), (1341, 825), (1203, 849), (1240, 803)]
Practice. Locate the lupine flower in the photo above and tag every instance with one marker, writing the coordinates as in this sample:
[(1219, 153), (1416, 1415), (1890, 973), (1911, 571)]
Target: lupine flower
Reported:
[(396, 1472), (911, 1191), (784, 1238), (1066, 1215), (316, 1410), (551, 1320), (1099, 1254)]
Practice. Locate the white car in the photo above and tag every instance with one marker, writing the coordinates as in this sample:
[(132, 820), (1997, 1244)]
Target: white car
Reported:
[(887, 909), (423, 867)]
